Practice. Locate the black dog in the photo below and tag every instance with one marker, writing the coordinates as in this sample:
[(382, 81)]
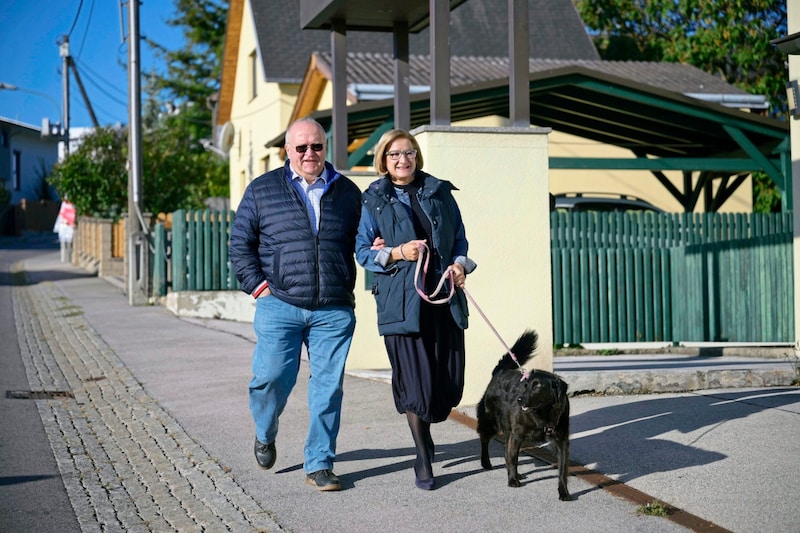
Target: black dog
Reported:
[(527, 410)]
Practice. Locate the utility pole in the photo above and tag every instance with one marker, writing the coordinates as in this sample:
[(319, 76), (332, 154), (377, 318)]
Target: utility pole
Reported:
[(85, 96), (64, 53), (136, 248)]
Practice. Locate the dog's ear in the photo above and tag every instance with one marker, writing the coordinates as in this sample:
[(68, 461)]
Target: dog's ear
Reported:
[(559, 389)]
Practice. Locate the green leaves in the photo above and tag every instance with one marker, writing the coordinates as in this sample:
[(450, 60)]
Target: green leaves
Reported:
[(93, 177)]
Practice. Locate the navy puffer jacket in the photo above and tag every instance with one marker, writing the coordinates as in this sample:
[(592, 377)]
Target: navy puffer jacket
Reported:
[(272, 239)]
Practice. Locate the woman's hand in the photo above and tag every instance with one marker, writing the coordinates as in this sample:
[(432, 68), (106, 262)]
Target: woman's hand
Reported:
[(378, 243), (459, 277), (408, 251)]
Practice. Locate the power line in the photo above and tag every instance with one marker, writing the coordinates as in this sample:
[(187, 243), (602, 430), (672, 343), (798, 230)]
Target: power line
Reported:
[(106, 93), (75, 21), (94, 79), (86, 34)]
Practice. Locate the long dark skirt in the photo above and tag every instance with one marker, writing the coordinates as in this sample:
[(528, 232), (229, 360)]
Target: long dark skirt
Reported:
[(428, 368)]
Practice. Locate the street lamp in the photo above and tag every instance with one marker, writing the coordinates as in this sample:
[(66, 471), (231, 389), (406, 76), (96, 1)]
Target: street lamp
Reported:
[(47, 129)]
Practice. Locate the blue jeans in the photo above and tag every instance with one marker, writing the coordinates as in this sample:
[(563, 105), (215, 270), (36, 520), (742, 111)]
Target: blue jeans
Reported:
[(281, 330)]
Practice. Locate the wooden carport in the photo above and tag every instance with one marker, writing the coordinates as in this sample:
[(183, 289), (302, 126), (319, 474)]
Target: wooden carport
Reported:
[(714, 147)]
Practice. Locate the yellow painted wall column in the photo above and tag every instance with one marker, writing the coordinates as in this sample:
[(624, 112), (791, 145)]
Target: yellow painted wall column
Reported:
[(502, 177), (793, 26)]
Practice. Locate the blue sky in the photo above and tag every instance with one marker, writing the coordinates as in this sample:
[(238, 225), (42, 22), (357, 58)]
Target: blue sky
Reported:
[(30, 59)]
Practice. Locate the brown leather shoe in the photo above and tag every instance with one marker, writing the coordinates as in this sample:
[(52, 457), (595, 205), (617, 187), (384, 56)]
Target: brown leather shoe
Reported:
[(323, 480), (265, 454)]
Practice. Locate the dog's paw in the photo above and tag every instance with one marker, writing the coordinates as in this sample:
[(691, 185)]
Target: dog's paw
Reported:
[(564, 496), (486, 465), (514, 482)]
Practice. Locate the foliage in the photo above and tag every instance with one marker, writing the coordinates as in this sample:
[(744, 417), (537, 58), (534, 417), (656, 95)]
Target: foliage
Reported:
[(766, 196), (93, 177), (192, 74), (178, 173), (654, 508), (726, 39)]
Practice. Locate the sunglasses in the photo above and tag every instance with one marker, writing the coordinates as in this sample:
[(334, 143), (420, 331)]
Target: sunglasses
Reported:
[(301, 148)]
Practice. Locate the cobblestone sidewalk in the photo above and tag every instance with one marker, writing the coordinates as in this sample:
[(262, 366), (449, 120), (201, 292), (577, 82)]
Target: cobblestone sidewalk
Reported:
[(127, 464)]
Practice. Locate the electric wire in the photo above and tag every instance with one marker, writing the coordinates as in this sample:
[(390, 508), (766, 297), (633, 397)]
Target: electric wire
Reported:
[(75, 20), (96, 80), (86, 33)]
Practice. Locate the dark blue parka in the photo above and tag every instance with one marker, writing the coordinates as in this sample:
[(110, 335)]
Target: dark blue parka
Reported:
[(384, 215), (273, 239)]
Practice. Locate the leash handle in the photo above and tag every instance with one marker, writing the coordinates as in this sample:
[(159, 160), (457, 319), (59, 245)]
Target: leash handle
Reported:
[(422, 265)]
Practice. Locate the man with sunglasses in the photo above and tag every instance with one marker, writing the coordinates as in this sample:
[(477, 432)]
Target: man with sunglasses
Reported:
[(292, 247)]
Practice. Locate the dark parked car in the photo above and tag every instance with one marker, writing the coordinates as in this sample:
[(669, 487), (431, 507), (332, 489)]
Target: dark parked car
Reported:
[(600, 202)]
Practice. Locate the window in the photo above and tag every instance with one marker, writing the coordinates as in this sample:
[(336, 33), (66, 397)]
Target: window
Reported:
[(16, 171), (253, 75)]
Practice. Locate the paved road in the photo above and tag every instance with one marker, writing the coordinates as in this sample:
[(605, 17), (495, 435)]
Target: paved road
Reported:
[(156, 436)]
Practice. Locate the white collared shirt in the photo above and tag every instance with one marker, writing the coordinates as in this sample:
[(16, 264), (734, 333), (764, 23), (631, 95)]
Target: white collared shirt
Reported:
[(313, 193)]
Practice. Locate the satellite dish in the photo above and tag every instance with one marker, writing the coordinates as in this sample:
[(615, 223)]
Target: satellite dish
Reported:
[(226, 137)]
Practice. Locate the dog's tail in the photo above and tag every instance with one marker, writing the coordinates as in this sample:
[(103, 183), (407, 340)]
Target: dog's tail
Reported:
[(522, 350)]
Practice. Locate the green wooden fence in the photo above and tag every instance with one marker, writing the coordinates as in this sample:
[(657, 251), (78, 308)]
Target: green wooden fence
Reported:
[(647, 277), (197, 253), (617, 277)]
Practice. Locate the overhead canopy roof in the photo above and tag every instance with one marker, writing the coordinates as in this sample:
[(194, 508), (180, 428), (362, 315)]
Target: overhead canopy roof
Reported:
[(600, 107), (367, 15), (664, 130)]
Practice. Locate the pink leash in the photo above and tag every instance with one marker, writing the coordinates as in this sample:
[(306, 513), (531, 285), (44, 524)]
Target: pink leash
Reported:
[(422, 266)]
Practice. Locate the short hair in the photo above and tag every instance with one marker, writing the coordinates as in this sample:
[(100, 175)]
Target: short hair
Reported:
[(379, 162)]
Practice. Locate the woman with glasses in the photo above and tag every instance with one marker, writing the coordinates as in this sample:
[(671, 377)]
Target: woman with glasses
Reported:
[(406, 213)]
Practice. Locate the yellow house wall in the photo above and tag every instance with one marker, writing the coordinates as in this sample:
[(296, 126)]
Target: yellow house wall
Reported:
[(256, 120), (505, 207), (793, 26)]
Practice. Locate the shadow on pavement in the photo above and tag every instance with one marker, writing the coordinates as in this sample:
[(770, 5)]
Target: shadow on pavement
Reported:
[(632, 430)]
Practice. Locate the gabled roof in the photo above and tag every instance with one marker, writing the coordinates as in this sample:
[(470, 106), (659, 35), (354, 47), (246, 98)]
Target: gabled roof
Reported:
[(370, 76), (16, 125), (377, 69), (641, 117), (477, 28), (664, 129)]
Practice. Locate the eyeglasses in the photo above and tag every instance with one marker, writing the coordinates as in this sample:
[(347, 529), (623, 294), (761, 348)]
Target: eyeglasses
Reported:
[(317, 147), (395, 156)]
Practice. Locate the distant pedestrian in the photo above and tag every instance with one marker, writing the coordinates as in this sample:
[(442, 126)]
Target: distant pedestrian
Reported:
[(65, 227), (403, 210), (292, 247)]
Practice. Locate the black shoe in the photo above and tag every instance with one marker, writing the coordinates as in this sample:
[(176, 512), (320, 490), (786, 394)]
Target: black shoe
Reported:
[(425, 484), (265, 454), (323, 480)]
